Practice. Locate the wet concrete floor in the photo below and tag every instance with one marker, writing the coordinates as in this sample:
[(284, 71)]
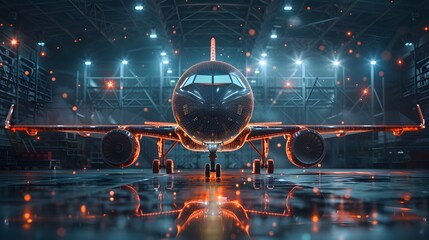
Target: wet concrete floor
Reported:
[(290, 204)]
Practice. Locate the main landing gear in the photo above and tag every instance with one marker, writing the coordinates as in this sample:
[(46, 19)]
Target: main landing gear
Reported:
[(262, 162), (157, 164), (212, 166)]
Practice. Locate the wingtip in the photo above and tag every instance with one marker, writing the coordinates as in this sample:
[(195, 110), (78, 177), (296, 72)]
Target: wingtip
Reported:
[(7, 122), (421, 117)]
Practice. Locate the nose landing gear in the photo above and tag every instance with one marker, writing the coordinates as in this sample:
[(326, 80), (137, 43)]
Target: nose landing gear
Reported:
[(212, 166)]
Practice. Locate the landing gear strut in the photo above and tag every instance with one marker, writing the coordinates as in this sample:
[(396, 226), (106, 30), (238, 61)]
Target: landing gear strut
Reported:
[(168, 164), (263, 162), (213, 166)]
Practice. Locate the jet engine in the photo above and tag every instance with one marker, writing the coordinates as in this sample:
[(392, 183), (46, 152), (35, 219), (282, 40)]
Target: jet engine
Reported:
[(120, 148), (305, 148)]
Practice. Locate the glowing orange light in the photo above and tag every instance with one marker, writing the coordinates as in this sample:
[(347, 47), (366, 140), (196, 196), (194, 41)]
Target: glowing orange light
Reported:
[(308, 8), (27, 215), (400, 62), (83, 209), (315, 219), (27, 73), (248, 54), (252, 32), (110, 84), (145, 109), (350, 51), (42, 54), (365, 91), (407, 197), (14, 41), (349, 33), (237, 193), (74, 108), (27, 197), (426, 28), (74, 172), (38, 138), (111, 193), (64, 95), (53, 79), (29, 220)]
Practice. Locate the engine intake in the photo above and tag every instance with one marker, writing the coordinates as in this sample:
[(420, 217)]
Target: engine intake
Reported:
[(120, 148), (305, 148)]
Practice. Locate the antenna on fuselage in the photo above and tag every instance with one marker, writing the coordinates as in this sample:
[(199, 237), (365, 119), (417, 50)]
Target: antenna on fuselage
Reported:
[(213, 49)]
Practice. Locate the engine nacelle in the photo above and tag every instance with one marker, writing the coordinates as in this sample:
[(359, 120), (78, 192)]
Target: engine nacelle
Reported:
[(305, 148), (120, 148)]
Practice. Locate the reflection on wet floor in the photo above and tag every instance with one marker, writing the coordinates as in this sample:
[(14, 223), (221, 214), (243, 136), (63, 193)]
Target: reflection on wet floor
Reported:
[(295, 204)]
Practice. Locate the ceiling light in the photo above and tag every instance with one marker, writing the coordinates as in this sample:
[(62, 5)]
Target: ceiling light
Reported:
[(138, 7), (288, 8), (153, 34), (87, 63), (273, 34), (124, 62), (373, 62)]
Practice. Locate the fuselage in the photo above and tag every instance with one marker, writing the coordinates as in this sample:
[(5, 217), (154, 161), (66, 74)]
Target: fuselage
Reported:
[(212, 102)]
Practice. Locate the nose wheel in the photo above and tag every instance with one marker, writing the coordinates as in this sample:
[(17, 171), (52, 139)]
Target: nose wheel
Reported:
[(217, 170), (212, 166)]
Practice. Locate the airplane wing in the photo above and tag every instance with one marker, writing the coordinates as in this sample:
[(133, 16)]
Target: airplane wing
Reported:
[(155, 130), (268, 130)]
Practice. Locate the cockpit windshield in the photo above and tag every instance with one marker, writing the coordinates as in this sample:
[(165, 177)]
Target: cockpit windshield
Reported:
[(214, 79)]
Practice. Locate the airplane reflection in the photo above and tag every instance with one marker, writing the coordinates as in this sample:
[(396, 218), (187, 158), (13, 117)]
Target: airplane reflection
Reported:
[(236, 208), (213, 215)]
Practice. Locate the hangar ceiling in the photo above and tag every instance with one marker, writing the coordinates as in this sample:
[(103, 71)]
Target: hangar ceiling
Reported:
[(240, 26)]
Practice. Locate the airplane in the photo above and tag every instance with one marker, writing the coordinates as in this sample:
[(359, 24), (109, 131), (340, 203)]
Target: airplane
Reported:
[(212, 104)]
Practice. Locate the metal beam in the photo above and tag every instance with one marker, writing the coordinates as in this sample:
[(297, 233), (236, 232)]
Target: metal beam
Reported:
[(321, 36), (90, 20)]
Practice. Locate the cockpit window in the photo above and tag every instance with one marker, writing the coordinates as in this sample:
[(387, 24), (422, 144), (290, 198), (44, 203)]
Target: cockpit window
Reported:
[(189, 80), (204, 79), (214, 79), (221, 79), (236, 80)]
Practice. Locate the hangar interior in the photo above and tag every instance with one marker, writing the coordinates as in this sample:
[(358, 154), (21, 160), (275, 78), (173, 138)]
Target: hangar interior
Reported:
[(318, 62), (308, 62)]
